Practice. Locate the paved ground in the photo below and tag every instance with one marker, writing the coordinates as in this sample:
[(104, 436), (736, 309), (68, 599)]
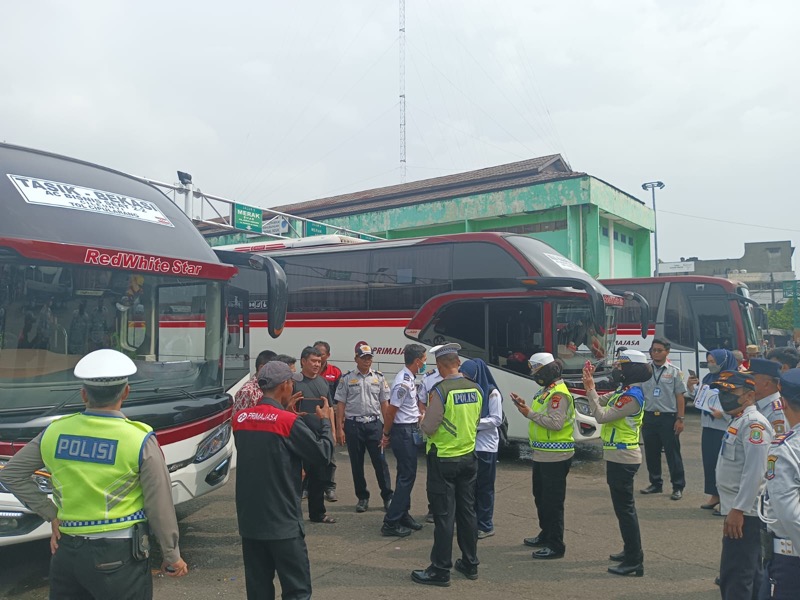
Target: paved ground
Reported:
[(350, 560)]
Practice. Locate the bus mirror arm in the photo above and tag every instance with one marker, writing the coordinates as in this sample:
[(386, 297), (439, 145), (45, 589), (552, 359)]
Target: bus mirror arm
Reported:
[(277, 287), (644, 307), (596, 302), (762, 315)]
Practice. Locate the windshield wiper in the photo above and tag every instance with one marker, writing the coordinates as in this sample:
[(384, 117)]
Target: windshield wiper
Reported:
[(77, 392)]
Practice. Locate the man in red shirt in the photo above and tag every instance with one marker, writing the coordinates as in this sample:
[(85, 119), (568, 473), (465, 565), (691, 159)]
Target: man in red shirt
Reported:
[(331, 374)]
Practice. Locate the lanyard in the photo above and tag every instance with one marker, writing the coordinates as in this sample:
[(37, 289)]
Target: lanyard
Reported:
[(663, 370)]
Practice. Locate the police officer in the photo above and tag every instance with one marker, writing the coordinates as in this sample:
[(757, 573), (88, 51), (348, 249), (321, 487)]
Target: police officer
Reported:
[(766, 374), (740, 479), (550, 431), (88, 454), (622, 421), (783, 491), (429, 380), (361, 398), (663, 421), (401, 431), (451, 424)]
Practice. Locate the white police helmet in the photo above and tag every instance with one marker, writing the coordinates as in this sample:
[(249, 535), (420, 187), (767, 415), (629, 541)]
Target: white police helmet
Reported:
[(540, 359), (104, 368)]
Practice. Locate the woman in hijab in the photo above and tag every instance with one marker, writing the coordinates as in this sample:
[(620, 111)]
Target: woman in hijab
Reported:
[(487, 443), (714, 421)]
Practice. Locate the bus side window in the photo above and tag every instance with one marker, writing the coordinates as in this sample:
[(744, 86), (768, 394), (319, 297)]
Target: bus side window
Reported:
[(514, 327), (460, 322)]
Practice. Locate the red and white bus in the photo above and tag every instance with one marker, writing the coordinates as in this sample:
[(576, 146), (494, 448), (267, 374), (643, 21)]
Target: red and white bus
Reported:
[(695, 314), (92, 258), (500, 296)]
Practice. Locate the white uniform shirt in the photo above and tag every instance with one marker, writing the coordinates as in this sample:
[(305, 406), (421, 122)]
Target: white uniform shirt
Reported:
[(783, 486), (404, 397), (488, 439)]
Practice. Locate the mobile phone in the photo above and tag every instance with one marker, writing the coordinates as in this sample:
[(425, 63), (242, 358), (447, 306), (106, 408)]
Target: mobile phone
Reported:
[(309, 405), (587, 364), (692, 374)]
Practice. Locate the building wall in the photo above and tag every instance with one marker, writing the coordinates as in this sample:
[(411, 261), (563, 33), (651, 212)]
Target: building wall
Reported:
[(569, 215)]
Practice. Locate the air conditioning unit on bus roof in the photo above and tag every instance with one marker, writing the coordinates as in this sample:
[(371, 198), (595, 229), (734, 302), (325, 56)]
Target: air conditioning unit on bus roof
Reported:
[(304, 242)]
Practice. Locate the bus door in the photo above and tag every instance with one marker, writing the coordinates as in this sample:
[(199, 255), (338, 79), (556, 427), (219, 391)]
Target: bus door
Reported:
[(237, 345)]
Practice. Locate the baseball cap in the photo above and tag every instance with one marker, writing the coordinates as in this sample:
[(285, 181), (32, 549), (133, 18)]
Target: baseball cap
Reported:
[(730, 380), (762, 366), (363, 349), (273, 374)]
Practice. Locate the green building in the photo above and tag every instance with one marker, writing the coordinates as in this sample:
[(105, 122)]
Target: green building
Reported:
[(598, 226)]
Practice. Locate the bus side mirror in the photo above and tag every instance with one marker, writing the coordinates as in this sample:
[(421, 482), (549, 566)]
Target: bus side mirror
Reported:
[(277, 296), (644, 307)]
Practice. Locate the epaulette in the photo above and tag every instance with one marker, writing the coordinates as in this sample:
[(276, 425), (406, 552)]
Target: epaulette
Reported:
[(780, 439), (407, 377), (777, 404), (378, 373)]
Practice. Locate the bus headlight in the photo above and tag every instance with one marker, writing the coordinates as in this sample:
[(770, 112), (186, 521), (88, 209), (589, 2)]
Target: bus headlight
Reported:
[(41, 477), (215, 442)]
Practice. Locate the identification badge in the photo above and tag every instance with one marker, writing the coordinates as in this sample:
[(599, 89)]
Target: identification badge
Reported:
[(656, 392)]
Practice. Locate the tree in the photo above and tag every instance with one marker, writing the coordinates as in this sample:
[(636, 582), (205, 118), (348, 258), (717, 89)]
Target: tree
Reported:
[(783, 318)]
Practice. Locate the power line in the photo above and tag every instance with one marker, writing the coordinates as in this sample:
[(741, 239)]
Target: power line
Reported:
[(661, 210)]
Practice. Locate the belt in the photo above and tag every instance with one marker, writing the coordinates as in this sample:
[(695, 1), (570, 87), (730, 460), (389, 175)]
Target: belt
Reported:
[(371, 419), (658, 413), (784, 547), (405, 425)]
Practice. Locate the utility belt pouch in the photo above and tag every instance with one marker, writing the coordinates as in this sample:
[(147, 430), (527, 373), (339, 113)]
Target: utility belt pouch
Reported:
[(767, 546), (417, 436), (141, 541)]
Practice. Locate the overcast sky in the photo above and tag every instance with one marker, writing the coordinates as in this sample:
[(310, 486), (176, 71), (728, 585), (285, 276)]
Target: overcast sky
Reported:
[(275, 102)]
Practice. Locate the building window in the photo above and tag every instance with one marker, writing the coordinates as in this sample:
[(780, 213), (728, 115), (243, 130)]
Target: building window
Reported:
[(623, 238), (616, 236), (605, 231), (630, 240)]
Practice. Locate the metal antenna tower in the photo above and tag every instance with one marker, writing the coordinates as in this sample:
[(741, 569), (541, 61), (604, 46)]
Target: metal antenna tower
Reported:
[(402, 91)]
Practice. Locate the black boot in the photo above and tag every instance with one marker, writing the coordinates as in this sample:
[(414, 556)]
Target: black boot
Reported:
[(628, 568)]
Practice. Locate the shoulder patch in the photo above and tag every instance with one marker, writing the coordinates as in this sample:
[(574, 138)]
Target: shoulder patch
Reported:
[(756, 433), (555, 401), (771, 460), (783, 437), (777, 405), (402, 392), (779, 426), (622, 401)]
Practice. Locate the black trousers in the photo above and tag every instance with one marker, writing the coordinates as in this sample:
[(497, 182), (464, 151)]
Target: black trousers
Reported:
[(784, 577), (549, 493), (363, 438), (405, 452), (619, 477), (451, 494), (740, 564), (710, 444), (98, 569), (657, 432), (262, 558), (484, 489), (318, 478)]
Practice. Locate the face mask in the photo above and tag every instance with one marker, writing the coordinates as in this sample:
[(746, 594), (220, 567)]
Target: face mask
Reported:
[(714, 369), (423, 368), (616, 376), (729, 401)]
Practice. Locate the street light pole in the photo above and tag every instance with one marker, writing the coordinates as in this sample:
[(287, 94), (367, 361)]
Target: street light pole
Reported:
[(652, 185)]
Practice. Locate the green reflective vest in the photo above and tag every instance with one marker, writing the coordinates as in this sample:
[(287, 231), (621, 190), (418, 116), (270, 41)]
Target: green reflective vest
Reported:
[(623, 434), (545, 439), (94, 467), (462, 411)]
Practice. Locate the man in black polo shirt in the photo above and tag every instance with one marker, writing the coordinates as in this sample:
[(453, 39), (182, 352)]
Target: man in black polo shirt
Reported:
[(268, 438)]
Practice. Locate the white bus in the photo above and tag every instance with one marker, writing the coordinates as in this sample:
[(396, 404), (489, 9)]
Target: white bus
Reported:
[(500, 296)]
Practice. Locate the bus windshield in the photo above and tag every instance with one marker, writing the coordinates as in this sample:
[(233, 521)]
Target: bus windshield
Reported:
[(52, 315), (578, 340)]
